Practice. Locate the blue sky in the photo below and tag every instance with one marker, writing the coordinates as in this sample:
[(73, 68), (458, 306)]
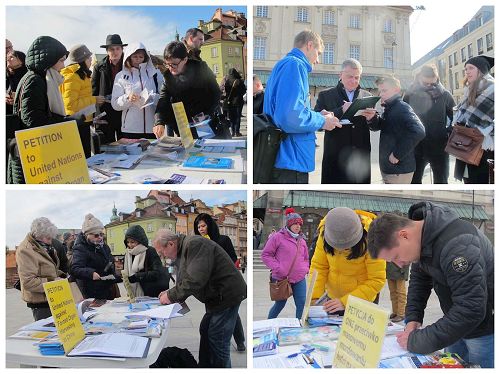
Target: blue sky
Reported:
[(155, 26), (66, 209)]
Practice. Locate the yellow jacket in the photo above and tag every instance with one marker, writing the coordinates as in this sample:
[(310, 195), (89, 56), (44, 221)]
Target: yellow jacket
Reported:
[(362, 277), (76, 92)]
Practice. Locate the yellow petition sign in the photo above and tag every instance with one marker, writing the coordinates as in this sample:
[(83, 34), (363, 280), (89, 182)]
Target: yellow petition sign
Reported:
[(63, 308), (52, 154), (309, 295), (361, 335), (183, 124)]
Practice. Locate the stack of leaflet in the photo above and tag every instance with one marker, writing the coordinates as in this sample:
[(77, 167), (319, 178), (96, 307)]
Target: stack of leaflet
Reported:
[(293, 336), (51, 348), (319, 317), (265, 342), (143, 327), (162, 312)]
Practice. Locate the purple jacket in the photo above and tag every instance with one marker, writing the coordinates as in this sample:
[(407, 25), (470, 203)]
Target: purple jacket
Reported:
[(278, 255)]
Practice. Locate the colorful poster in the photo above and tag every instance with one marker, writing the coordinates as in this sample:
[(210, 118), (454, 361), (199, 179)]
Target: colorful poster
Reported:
[(52, 154)]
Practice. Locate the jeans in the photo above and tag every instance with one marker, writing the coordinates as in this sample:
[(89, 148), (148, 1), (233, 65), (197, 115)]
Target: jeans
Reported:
[(440, 166), (479, 351), (285, 176), (239, 333), (216, 330), (299, 297)]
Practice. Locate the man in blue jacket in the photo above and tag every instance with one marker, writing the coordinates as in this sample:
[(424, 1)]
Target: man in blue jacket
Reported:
[(287, 102)]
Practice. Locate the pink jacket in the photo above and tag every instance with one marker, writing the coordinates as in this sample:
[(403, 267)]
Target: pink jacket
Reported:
[(279, 252)]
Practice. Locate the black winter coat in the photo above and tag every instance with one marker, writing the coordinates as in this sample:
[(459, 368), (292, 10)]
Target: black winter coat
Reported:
[(258, 102), (102, 85), (61, 254), (234, 95), (346, 152), (400, 132), (434, 114), (87, 259), (11, 82), (196, 88), (461, 271), (34, 110), (154, 278)]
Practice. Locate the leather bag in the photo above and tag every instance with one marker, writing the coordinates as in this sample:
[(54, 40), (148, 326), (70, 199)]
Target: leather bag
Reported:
[(465, 143), (282, 290)]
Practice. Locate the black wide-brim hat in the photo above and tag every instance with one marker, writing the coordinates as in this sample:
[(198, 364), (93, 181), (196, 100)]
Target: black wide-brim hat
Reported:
[(113, 39)]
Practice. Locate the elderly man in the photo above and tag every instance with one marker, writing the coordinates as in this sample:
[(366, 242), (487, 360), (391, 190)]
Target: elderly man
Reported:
[(193, 40), (346, 152), (206, 272)]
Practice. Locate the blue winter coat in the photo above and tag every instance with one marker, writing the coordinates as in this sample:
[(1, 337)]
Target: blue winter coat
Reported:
[(287, 102)]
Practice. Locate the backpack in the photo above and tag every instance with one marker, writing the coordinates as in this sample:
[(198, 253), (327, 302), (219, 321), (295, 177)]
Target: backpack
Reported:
[(266, 144), (175, 357)]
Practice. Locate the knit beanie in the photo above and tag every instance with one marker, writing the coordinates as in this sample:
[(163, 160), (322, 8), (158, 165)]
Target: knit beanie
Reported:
[(92, 225), (343, 228), (292, 217), (483, 63)]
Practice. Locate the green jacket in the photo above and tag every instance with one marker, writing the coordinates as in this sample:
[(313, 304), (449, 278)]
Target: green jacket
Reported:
[(206, 272)]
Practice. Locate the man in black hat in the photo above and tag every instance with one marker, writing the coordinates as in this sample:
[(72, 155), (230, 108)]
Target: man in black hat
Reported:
[(103, 78)]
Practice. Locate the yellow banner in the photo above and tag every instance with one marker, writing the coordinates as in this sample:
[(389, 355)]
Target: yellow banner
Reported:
[(183, 124), (309, 294), (52, 154), (63, 308), (361, 336)]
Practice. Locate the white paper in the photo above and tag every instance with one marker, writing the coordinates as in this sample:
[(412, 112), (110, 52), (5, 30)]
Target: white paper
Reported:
[(317, 311), (127, 163), (391, 348), (46, 324), (238, 143), (112, 345), (88, 110), (162, 312), (105, 158), (281, 361), (275, 322)]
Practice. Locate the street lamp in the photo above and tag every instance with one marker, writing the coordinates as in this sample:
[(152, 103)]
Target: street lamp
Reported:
[(394, 44)]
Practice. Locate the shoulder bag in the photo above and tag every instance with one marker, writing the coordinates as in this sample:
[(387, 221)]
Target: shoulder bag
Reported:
[(282, 290), (465, 143)]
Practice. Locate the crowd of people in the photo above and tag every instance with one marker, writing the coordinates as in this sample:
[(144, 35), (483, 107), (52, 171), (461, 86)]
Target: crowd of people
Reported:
[(414, 125), (202, 265), (135, 90), (354, 252)]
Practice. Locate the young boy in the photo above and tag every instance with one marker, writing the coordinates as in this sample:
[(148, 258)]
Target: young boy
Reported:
[(400, 132)]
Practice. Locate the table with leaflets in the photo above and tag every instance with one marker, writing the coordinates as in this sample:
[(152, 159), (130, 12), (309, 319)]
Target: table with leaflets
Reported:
[(209, 161), (26, 353)]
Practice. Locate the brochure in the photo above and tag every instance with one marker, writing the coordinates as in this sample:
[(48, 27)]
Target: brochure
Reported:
[(208, 162), (112, 345), (289, 336), (32, 335)]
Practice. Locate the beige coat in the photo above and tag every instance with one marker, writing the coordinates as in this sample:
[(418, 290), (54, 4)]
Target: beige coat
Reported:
[(35, 267)]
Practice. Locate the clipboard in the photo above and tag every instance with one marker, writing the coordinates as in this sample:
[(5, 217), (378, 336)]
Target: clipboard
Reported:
[(359, 104)]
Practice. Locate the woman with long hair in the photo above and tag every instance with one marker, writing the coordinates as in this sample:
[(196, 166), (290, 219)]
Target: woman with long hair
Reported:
[(342, 260)]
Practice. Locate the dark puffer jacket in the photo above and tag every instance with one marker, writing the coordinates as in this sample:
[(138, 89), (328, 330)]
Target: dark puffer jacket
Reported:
[(206, 272), (196, 88), (213, 232), (34, 110), (87, 259), (154, 278), (461, 272), (400, 132)]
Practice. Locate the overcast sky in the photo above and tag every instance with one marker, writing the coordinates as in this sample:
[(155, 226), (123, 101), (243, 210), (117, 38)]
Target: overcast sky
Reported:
[(437, 22), (67, 209), (152, 25)]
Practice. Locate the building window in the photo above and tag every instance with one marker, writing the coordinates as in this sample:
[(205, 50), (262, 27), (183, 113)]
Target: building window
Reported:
[(215, 69), (480, 46), (355, 21), (328, 54), (262, 11), (388, 25), (354, 51), (259, 48), (455, 58), (170, 227), (489, 41), (230, 51), (456, 80), (302, 14), (462, 53), (112, 247), (388, 62), (149, 228), (328, 17), (450, 61), (469, 51), (214, 52), (236, 51), (109, 234)]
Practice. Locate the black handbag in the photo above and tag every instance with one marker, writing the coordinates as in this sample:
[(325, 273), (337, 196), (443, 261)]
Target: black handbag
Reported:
[(220, 126)]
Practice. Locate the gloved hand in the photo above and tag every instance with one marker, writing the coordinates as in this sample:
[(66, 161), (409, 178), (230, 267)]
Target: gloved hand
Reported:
[(133, 278), (118, 279)]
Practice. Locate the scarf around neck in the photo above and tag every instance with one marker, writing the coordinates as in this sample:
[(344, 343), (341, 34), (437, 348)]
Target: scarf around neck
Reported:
[(54, 80), (134, 263)]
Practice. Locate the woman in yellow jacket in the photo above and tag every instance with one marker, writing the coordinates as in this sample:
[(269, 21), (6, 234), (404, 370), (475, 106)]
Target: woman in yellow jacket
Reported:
[(342, 261), (76, 90)]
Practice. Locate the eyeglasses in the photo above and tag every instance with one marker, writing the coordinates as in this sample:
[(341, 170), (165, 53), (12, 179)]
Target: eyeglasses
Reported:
[(171, 65)]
